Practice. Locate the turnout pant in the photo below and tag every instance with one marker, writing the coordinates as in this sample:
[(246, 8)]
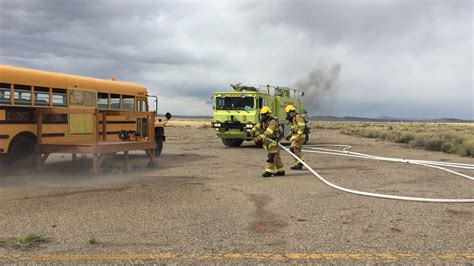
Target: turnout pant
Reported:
[(274, 162), (296, 147)]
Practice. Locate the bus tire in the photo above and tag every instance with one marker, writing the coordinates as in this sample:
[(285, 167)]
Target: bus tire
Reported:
[(22, 152), (159, 141), (232, 142)]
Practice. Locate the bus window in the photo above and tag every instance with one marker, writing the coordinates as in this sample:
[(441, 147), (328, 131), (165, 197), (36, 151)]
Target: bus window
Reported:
[(128, 103), (144, 107), (59, 97), (41, 96), (114, 101), (5, 93), (22, 94), (103, 101)]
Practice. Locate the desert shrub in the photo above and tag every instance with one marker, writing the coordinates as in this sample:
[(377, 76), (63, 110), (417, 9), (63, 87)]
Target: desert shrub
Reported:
[(369, 132), (449, 138), (204, 125), (405, 137), (428, 142), (466, 148), (26, 242)]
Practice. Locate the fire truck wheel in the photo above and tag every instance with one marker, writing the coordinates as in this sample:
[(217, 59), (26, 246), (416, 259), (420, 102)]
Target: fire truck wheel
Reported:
[(232, 142)]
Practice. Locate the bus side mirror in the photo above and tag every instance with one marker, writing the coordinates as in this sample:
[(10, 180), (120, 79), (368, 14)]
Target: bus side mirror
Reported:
[(168, 116)]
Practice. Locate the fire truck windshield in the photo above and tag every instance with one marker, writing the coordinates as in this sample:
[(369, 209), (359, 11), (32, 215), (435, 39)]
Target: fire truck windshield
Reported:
[(235, 103)]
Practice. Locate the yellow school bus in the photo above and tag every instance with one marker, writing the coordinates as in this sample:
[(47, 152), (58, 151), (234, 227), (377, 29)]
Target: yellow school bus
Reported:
[(23, 91)]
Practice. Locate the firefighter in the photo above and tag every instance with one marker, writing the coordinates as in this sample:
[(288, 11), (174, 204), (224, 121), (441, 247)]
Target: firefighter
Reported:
[(268, 128), (296, 136)]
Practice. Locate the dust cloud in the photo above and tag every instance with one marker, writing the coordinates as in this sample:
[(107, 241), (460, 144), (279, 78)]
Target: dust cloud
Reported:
[(61, 172), (321, 81)]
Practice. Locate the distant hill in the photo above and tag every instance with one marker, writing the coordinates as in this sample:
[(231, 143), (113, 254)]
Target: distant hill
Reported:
[(187, 116), (354, 118), (388, 119)]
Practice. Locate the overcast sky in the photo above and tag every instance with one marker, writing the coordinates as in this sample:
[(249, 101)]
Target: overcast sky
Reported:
[(409, 59)]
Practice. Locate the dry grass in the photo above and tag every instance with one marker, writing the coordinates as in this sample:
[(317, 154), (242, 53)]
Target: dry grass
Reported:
[(456, 138), (182, 123), (26, 242)]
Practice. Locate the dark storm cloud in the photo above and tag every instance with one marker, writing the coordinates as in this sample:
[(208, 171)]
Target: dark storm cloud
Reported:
[(394, 55)]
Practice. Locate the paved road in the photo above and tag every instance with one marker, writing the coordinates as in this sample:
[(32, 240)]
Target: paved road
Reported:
[(207, 202)]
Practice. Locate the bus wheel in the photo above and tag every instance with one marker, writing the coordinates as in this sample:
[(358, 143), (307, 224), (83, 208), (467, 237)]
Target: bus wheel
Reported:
[(159, 143), (232, 142), (22, 153)]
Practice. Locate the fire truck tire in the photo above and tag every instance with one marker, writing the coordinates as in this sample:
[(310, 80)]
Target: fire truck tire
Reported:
[(22, 152), (232, 142)]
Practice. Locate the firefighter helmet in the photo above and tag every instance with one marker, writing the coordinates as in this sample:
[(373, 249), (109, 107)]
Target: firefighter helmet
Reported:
[(265, 110), (289, 108)]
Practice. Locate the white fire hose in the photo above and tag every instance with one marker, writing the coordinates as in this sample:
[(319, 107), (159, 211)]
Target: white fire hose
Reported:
[(346, 152)]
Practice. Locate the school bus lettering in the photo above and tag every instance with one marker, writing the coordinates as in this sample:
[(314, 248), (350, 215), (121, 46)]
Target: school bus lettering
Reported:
[(26, 92)]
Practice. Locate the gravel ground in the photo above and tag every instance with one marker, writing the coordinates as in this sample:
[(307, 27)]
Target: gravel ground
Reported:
[(208, 202)]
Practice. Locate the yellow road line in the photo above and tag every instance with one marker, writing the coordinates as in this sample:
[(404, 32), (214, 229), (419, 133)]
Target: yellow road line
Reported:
[(241, 256)]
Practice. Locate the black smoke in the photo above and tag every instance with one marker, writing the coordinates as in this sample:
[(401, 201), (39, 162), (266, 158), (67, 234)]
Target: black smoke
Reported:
[(320, 84)]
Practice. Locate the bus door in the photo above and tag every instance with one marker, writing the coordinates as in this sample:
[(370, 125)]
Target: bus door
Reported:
[(142, 121)]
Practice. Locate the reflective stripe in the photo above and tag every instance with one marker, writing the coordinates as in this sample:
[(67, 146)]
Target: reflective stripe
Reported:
[(301, 124), (300, 132), (270, 170), (269, 130), (270, 146), (262, 136)]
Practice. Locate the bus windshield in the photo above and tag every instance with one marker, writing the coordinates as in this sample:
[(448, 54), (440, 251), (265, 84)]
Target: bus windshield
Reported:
[(235, 103)]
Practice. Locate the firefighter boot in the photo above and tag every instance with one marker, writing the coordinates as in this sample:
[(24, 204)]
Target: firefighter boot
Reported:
[(298, 166), (280, 173), (267, 174)]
